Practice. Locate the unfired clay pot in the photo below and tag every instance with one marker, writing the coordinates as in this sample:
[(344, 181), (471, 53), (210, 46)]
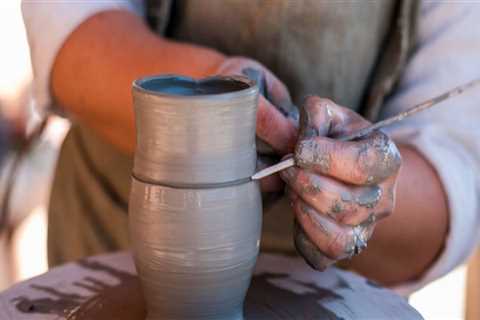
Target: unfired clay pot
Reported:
[(195, 217)]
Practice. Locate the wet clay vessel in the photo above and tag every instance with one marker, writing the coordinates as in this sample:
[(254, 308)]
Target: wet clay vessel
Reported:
[(194, 216)]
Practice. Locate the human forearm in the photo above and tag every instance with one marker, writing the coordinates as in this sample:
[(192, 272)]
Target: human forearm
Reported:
[(93, 72), (405, 244)]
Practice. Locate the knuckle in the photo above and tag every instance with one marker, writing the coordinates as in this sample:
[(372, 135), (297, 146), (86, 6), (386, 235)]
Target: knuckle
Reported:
[(344, 209), (325, 102), (308, 184), (315, 103), (368, 197), (340, 207), (377, 159), (351, 119), (338, 245), (353, 217)]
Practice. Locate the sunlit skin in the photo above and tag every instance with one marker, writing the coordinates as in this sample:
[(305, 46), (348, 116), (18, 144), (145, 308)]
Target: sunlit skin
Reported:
[(92, 78)]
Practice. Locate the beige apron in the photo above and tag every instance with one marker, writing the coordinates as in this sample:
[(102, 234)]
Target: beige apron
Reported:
[(349, 51)]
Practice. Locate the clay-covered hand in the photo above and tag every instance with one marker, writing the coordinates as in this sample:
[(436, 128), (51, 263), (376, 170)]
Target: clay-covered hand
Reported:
[(338, 189), (274, 125)]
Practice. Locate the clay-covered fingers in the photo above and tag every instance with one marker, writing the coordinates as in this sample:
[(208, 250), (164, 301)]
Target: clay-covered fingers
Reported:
[(344, 203), (338, 189), (334, 240), (312, 255), (369, 160), (322, 117)]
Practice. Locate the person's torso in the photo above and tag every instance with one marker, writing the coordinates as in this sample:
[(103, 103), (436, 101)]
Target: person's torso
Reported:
[(327, 48)]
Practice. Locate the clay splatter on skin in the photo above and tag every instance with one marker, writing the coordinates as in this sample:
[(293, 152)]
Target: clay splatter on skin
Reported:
[(359, 236), (346, 196), (370, 197), (367, 197), (311, 189), (309, 153), (337, 207), (378, 158), (343, 240), (348, 242), (313, 185), (314, 218)]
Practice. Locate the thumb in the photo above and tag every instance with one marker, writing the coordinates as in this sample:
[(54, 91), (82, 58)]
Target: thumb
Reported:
[(278, 94), (274, 128)]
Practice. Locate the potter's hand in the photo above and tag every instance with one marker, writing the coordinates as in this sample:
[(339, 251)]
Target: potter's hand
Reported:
[(338, 190), (274, 126)]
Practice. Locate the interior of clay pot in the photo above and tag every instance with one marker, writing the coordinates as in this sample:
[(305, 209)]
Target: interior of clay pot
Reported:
[(184, 86)]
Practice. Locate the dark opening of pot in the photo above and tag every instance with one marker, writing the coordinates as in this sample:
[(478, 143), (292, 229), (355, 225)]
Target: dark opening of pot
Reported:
[(183, 86)]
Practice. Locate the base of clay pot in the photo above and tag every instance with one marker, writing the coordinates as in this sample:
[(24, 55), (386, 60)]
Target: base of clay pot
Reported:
[(106, 288)]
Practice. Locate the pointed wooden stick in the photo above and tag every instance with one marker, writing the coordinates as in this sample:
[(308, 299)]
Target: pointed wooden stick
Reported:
[(365, 131)]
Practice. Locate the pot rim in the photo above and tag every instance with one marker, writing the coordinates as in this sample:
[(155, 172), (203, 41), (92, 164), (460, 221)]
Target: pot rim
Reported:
[(252, 88)]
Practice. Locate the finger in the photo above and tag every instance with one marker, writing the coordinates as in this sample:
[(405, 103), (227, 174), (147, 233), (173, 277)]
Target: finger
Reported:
[(335, 240), (274, 128), (330, 238), (387, 203), (322, 117), (314, 257), (278, 94), (271, 88), (367, 161), (343, 203), (315, 118)]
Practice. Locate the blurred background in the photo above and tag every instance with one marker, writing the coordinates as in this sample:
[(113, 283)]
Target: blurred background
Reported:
[(23, 231)]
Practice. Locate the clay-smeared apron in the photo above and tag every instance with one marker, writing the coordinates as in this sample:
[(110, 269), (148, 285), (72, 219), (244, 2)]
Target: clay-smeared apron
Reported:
[(349, 51)]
